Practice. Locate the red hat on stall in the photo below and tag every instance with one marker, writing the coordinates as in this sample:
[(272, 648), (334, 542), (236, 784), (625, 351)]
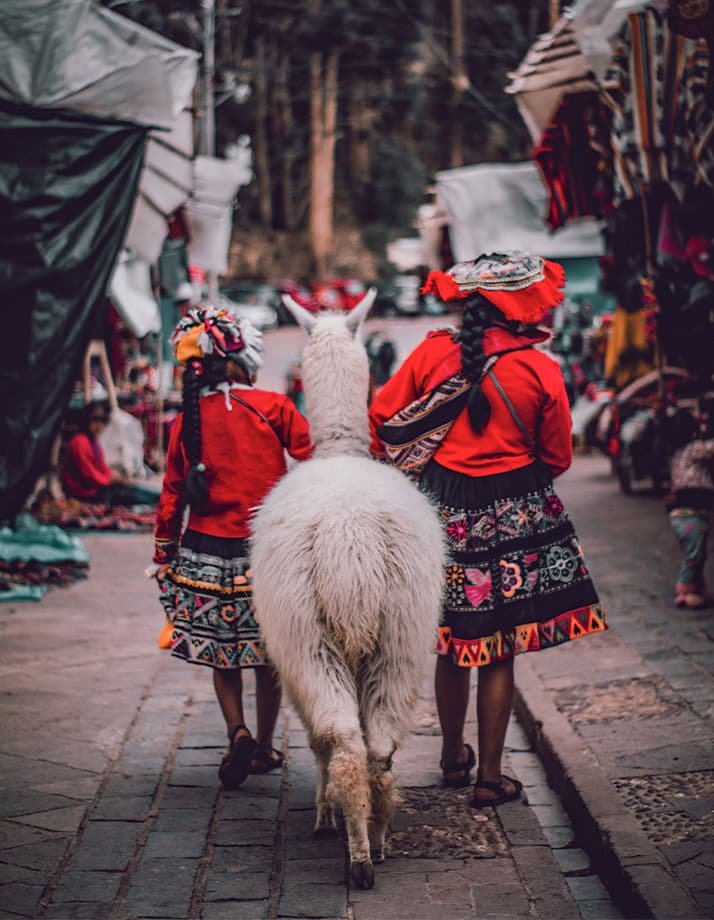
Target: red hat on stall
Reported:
[(522, 286)]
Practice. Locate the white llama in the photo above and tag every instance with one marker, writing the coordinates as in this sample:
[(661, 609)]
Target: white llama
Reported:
[(347, 574)]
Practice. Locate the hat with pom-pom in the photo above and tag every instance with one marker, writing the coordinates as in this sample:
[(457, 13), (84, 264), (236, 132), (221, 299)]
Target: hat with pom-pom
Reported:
[(208, 332), (521, 285)]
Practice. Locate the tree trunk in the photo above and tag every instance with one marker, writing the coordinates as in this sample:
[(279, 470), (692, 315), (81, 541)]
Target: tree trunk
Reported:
[(458, 81), (359, 123), (262, 159), (323, 136), (285, 120)]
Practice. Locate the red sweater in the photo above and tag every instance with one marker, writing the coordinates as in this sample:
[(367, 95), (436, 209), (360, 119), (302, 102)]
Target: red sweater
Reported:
[(85, 469), (533, 383), (244, 458)]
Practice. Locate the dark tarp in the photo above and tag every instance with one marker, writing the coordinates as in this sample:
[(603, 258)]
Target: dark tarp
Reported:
[(67, 187)]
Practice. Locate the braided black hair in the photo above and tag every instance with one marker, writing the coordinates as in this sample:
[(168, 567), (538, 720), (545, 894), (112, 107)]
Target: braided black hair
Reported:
[(478, 315), (196, 376)]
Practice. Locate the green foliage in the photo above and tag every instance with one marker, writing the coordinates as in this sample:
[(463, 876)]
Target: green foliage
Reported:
[(396, 105), (387, 204)]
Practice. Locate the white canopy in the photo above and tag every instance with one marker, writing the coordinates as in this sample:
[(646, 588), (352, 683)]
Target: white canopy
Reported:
[(166, 183), (597, 23), (131, 294), (500, 206), (78, 55), (210, 209)]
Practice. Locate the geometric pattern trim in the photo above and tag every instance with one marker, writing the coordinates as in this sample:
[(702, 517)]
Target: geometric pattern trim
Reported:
[(209, 601), (529, 637)]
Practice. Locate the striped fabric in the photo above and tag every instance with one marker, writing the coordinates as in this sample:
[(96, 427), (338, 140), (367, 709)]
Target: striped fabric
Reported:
[(655, 87)]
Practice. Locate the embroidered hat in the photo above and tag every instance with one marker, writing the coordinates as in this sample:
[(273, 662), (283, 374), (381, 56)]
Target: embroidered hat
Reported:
[(206, 331), (521, 285)]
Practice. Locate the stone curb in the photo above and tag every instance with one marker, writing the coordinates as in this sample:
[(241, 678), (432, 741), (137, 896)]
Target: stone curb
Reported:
[(634, 871)]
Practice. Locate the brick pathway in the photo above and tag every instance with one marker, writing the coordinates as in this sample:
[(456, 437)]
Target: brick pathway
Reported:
[(629, 715), (111, 806)]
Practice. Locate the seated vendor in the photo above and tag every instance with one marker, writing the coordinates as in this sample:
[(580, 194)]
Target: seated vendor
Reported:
[(86, 474)]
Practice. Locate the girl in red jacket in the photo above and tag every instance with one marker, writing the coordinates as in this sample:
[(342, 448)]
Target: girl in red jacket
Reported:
[(226, 451), (516, 580)]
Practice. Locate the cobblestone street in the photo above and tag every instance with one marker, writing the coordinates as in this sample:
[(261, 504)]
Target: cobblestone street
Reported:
[(111, 805)]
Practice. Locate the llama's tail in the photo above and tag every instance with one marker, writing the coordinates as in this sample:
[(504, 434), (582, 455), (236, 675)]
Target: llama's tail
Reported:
[(350, 585)]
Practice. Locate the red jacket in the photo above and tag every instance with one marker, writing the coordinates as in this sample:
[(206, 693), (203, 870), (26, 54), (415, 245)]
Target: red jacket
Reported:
[(533, 383), (244, 458), (85, 469)]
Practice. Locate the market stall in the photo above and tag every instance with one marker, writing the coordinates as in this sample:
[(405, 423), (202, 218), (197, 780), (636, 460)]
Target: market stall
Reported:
[(634, 150), (72, 159)]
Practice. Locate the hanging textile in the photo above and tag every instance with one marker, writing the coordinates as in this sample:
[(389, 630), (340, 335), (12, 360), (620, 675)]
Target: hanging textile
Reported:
[(645, 88), (629, 354), (693, 153), (574, 157), (67, 186)]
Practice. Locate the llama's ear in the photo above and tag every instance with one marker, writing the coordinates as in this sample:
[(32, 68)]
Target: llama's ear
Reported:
[(359, 312), (299, 314)]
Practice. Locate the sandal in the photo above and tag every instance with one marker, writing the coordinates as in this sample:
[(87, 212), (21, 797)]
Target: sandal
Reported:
[(235, 765), (499, 789), (264, 763), (464, 767)]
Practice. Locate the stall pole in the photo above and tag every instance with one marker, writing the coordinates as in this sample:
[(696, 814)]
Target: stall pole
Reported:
[(207, 133)]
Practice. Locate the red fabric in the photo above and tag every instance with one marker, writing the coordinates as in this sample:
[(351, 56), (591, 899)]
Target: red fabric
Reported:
[(527, 306), (85, 469), (243, 459), (444, 286), (533, 383)]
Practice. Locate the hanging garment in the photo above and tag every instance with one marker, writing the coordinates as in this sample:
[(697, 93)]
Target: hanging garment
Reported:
[(574, 157), (654, 87), (629, 354)]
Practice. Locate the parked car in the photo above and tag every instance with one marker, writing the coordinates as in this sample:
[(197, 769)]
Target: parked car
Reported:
[(338, 293), (255, 301), (400, 296), (299, 293)]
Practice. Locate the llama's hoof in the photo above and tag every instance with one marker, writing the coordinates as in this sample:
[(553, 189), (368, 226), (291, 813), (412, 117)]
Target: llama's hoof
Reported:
[(377, 856), (325, 832), (362, 874)]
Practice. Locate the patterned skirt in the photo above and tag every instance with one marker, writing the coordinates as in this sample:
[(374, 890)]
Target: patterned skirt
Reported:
[(208, 597), (516, 579)]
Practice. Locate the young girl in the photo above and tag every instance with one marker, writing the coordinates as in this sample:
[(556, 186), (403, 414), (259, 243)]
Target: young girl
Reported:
[(693, 489), (226, 451), (516, 580)]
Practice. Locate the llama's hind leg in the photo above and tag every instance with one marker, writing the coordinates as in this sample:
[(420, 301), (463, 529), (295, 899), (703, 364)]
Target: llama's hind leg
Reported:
[(349, 785), (383, 798), (325, 824), (389, 689), (328, 706)]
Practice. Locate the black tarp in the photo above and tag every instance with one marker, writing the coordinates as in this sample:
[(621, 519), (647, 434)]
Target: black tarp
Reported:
[(67, 187)]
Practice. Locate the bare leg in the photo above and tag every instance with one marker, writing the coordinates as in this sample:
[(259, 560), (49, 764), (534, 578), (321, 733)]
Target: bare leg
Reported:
[(452, 685), (493, 708), (228, 685), (267, 699)]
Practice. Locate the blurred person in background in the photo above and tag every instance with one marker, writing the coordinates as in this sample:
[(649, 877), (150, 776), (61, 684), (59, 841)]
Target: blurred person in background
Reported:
[(86, 474)]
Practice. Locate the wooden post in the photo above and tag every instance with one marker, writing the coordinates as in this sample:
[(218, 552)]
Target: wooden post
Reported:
[(554, 12), (459, 81)]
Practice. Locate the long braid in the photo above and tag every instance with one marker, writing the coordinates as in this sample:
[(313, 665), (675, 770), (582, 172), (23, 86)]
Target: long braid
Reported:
[(196, 484), (477, 317), (196, 376)]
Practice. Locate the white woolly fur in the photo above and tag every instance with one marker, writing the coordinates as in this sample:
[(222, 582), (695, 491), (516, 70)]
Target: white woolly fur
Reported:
[(347, 560)]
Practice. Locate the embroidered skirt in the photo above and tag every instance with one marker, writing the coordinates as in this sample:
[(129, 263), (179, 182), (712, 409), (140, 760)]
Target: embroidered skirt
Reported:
[(207, 596), (516, 580)]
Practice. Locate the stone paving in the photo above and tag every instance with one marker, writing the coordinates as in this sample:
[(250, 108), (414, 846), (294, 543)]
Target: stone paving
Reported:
[(110, 806), (640, 698)]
